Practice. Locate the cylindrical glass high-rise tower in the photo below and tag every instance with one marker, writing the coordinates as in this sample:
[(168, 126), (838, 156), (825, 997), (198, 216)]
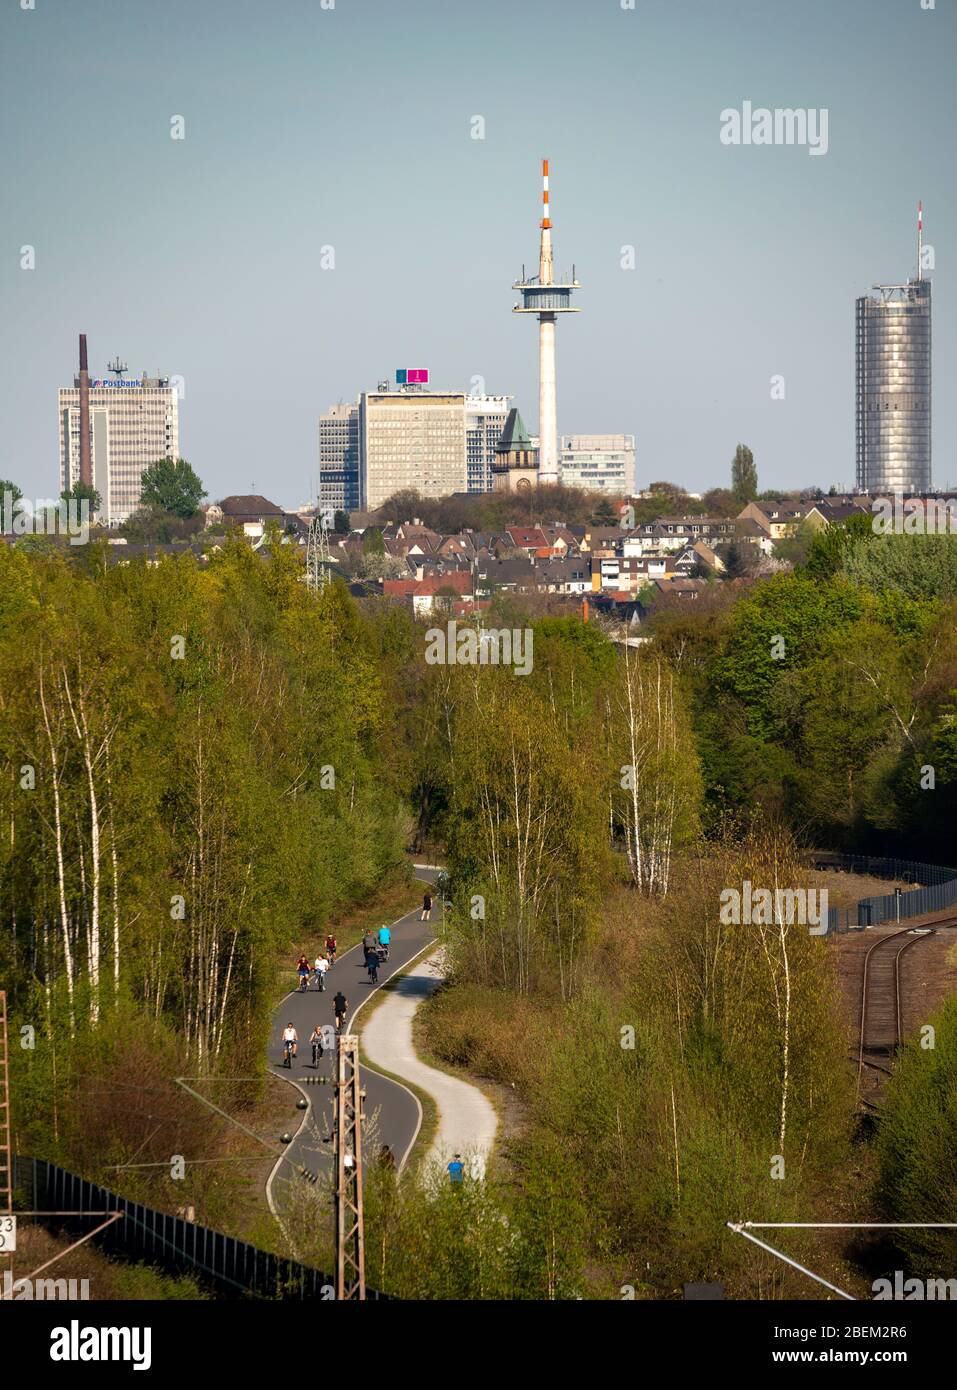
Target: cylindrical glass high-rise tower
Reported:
[(894, 389)]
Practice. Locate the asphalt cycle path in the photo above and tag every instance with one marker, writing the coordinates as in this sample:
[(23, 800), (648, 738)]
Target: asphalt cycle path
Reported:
[(399, 1113)]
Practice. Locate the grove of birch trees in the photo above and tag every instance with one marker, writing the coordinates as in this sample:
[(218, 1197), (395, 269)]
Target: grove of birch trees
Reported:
[(194, 769)]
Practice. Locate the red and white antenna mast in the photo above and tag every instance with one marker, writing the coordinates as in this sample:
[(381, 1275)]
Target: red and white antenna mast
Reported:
[(546, 273)]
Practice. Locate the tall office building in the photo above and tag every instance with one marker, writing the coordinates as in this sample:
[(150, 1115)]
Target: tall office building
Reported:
[(485, 418), (599, 462), (894, 385), (410, 437), (339, 486), (132, 424)]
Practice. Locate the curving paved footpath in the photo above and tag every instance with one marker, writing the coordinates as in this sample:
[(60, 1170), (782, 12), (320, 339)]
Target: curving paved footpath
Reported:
[(399, 1112), (467, 1122)]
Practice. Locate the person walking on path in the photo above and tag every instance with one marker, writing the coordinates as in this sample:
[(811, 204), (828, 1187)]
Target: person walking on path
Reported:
[(341, 1004), (456, 1170), (426, 908)]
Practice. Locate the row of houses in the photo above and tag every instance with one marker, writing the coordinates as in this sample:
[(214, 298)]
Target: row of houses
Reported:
[(615, 565), (671, 555)]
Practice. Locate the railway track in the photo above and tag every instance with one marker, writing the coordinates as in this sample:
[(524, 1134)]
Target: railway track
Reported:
[(881, 1013)]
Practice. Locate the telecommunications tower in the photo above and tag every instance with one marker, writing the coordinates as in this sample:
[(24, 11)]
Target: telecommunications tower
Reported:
[(545, 296)]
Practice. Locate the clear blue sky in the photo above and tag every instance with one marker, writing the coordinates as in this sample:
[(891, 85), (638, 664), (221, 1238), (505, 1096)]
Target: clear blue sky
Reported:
[(350, 127)]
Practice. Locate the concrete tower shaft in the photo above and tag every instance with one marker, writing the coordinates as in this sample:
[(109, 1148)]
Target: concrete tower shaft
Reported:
[(547, 401)]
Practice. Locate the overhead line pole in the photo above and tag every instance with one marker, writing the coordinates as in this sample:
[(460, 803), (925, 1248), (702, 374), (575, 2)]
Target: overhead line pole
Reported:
[(350, 1241), (6, 1157)]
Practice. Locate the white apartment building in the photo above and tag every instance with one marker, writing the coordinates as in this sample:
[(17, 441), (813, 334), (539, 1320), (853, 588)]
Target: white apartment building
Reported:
[(133, 423), (599, 462)]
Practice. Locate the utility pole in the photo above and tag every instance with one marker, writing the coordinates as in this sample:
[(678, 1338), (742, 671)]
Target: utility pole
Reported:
[(350, 1241), (6, 1156)]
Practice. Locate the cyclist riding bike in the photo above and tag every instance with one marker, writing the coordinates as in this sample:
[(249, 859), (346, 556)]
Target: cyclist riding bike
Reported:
[(290, 1044), (331, 950), (321, 966), (385, 937), (303, 969), (340, 1004), (316, 1040)]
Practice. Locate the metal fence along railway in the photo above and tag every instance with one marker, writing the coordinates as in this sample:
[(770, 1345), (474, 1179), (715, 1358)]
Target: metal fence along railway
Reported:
[(230, 1267), (938, 890)]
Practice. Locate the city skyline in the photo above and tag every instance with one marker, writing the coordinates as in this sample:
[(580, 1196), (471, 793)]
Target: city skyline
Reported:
[(204, 256)]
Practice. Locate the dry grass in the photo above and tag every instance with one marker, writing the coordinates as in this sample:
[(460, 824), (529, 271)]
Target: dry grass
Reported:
[(106, 1278)]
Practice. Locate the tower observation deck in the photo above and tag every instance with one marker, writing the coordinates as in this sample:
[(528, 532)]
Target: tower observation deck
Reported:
[(546, 297)]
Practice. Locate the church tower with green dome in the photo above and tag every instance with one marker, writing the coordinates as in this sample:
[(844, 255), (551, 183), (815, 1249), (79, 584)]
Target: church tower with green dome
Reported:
[(516, 462)]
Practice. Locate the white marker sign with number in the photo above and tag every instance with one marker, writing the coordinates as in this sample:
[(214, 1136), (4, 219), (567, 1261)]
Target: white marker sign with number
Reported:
[(8, 1234)]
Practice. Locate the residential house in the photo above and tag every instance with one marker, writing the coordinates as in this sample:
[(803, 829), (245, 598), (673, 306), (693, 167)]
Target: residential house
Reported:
[(434, 594), (251, 513)]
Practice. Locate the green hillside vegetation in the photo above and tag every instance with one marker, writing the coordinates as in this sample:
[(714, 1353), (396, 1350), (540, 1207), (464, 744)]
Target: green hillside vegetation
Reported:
[(171, 830)]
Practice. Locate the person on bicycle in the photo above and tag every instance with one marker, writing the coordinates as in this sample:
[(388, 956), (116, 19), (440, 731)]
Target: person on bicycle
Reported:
[(322, 965), (303, 969), (331, 950), (290, 1040), (372, 965), (385, 937), (316, 1039), (341, 1004)]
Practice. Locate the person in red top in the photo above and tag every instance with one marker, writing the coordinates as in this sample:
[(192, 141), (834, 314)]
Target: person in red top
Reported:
[(331, 949)]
